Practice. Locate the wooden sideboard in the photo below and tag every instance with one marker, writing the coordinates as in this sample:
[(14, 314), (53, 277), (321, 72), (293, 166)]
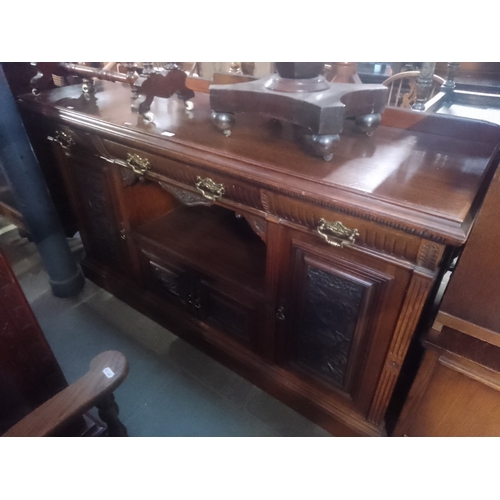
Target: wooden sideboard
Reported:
[(219, 239)]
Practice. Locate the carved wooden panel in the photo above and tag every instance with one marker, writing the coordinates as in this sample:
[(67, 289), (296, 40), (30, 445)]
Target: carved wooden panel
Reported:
[(331, 310), (102, 232)]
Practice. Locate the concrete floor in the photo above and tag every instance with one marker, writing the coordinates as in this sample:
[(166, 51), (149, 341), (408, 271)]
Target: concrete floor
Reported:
[(172, 388)]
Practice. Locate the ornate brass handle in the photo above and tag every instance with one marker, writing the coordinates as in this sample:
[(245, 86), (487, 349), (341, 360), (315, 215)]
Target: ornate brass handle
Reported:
[(139, 165), (63, 139), (209, 189), (336, 234)]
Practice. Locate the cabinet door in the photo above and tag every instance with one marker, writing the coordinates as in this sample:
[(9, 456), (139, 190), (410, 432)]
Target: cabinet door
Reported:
[(38, 130), (167, 279), (338, 310), (235, 315), (101, 225), (221, 307)]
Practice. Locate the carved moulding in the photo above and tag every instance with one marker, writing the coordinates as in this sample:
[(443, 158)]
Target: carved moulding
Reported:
[(429, 255)]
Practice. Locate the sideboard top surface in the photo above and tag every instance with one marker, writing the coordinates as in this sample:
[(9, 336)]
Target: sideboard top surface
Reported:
[(431, 173)]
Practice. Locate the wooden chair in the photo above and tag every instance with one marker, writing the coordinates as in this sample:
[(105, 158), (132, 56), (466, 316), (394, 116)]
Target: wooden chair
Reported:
[(35, 399), (403, 88)]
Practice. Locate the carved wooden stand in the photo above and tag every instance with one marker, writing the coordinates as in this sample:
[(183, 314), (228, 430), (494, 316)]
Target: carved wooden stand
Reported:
[(298, 94)]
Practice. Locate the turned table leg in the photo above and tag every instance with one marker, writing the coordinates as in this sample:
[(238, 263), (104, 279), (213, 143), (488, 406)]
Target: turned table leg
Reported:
[(108, 413)]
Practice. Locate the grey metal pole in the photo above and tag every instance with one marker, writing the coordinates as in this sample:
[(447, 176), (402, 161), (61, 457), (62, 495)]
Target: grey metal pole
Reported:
[(25, 178)]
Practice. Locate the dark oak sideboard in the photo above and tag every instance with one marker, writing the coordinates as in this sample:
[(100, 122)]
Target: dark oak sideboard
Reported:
[(225, 240)]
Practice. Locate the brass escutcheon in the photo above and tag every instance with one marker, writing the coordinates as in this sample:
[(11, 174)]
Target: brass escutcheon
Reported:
[(139, 165), (209, 189), (336, 234)]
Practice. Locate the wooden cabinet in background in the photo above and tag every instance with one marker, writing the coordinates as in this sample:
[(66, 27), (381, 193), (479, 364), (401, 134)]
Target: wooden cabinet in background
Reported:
[(457, 388), (307, 277)]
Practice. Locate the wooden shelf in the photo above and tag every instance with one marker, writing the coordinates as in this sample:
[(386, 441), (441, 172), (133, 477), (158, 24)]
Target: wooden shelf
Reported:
[(212, 240)]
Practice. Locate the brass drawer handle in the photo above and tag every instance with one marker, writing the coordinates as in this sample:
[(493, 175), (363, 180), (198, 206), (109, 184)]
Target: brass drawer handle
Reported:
[(336, 234), (63, 139), (139, 165), (209, 189)]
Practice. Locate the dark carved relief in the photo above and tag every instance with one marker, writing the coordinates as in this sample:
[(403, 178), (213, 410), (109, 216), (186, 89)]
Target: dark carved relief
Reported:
[(100, 229), (267, 202), (323, 342), (186, 197), (428, 256), (128, 176)]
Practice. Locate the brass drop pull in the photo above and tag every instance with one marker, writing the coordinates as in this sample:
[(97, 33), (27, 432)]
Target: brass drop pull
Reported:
[(139, 165), (63, 139), (209, 189), (336, 234)]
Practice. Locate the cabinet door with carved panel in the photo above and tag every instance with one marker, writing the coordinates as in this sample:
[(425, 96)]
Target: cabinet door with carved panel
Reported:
[(223, 308), (96, 194), (337, 314)]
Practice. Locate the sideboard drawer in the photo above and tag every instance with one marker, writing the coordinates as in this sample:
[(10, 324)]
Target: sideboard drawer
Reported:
[(71, 140), (211, 186), (332, 227)]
